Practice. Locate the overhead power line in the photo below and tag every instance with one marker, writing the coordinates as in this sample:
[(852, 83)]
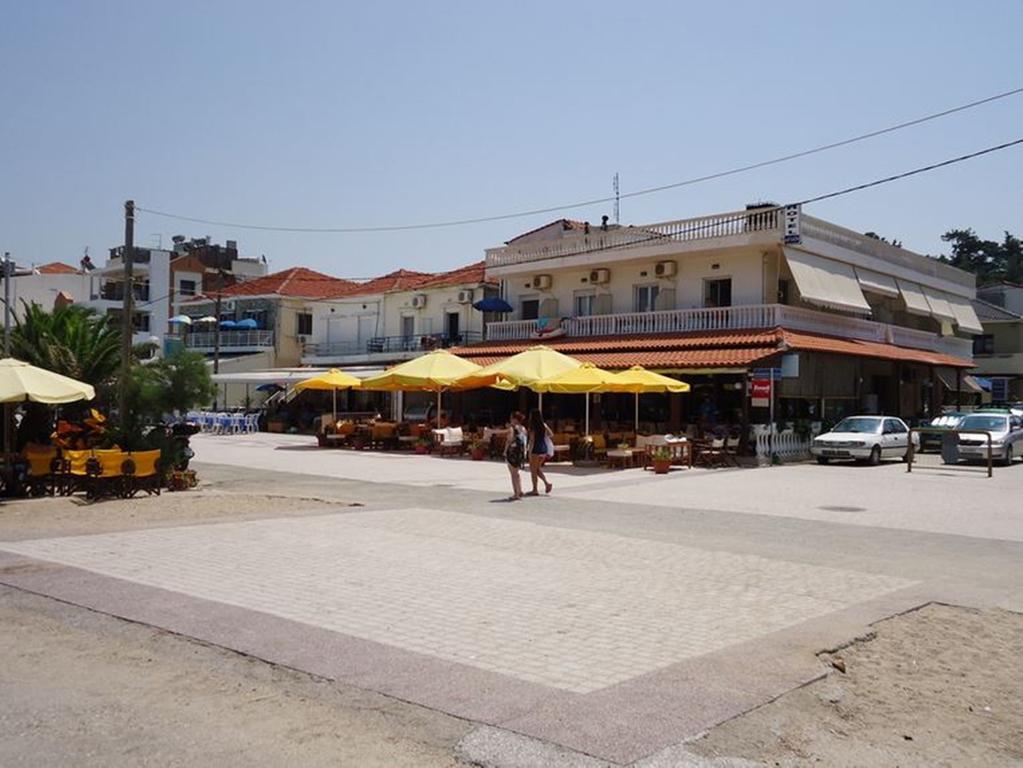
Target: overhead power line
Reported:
[(594, 201)]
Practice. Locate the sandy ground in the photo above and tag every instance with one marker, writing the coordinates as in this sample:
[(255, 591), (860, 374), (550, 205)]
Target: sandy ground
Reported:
[(85, 689), (73, 516), (936, 687)]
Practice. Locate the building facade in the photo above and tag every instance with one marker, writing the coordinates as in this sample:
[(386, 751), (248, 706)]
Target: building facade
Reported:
[(855, 323), (998, 351)]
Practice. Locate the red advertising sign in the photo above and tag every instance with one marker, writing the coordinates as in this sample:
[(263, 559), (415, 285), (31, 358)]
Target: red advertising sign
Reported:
[(760, 393)]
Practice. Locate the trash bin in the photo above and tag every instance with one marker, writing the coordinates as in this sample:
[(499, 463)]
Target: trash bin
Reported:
[(950, 447)]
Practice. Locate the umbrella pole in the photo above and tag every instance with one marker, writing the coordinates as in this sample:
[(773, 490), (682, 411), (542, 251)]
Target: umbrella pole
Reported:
[(539, 405), (587, 396), (334, 392), (439, 391), (637, 413)]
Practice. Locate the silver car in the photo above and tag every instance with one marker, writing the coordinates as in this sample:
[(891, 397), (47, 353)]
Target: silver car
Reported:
[(863, 438), (1006, 436)]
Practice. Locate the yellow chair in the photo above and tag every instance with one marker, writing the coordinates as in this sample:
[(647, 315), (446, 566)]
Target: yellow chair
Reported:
[(143, 473), (43, 468)]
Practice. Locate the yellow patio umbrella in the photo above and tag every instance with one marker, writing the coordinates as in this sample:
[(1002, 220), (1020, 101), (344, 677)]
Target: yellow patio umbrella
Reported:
[(21, 382), (332, 380), (583, 380), (433, 372), (639, 380), (521, 370)]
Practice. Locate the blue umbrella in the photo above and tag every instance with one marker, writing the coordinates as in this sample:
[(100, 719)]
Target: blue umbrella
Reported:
[(228, 324), (248, 322), (493, 304)]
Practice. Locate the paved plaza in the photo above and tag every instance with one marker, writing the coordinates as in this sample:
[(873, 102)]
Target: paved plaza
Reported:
[(616, 618)]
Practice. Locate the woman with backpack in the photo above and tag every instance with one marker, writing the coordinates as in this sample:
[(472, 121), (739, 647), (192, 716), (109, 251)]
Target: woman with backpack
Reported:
[(515, 452), (540, 448)]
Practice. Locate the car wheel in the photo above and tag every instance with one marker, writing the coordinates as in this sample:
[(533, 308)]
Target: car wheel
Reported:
[(1007, 459), (875, 456), (822, 459)]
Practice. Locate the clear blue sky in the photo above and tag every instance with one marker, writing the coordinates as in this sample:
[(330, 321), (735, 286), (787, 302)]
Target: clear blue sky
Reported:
[(329, 113)]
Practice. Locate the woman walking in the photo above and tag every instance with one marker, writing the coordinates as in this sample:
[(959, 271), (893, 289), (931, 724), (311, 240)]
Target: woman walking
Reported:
[(514, 453), (539, 449)]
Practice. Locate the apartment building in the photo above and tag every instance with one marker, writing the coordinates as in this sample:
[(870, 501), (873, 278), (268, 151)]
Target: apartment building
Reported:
[(998, 350), (854, 323), (398, 316)]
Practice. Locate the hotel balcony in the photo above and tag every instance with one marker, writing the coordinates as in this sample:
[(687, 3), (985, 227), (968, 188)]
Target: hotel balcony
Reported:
[(231, 341), (381, 349), (749, 317)]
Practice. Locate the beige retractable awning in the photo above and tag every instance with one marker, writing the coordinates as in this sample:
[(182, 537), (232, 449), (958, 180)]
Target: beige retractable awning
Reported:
[(966, 316), (875, 282), (913, 295), (825, 282), (939, 305)]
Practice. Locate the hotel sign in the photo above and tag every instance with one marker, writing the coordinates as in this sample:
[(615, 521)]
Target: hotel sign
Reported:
[(792, 235)]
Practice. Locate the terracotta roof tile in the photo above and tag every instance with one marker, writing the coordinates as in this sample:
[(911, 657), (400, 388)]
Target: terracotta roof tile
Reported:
[(566, 226), (57, 268), (297, 281), (399, 280), (815, 343), (468, 275), (576, 345), (667, 359)]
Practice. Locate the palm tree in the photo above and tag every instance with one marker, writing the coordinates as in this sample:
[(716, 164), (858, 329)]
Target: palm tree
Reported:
[(72, 340)]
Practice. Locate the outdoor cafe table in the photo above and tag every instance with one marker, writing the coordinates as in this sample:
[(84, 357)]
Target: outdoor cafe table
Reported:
[(679, 448)]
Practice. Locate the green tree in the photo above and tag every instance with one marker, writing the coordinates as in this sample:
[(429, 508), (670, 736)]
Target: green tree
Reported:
[(178, 382), (989, 260), (72, 340)]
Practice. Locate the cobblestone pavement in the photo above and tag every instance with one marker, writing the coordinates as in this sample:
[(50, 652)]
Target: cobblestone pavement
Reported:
[(573, 610)]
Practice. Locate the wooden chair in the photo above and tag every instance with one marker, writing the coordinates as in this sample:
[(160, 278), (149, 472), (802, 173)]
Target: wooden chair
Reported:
[(599, 445), (450, 440), (384, 435), (73, 472), (711, 453)]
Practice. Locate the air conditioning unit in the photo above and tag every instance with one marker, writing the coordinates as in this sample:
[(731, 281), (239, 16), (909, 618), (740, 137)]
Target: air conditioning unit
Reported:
[(600, 276), (542, 282), (465, 297), (665, 269), (419, 300)]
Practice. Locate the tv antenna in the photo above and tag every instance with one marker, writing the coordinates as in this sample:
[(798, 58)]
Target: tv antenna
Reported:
[(614, 186)]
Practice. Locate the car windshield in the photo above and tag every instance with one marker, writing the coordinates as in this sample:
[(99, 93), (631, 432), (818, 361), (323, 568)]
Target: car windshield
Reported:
[(858, 424), (987, 423)]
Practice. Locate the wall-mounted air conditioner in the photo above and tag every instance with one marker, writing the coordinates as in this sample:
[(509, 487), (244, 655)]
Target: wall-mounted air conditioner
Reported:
[(542, 282), (665, 269), (465, 297), (419, 300), (600, 276)]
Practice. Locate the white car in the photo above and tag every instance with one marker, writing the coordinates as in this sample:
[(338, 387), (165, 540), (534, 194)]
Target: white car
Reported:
[(863, 438), (1006, 436)]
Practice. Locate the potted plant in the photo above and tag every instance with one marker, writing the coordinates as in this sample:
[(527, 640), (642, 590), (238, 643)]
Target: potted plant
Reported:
[(478, 450), (422, 446), (661, 459)]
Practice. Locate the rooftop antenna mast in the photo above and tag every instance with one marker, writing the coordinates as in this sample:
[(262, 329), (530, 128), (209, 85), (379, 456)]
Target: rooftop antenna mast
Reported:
[(614, 184)]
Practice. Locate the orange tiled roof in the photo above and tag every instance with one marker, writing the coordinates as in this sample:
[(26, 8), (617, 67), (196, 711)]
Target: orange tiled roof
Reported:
[(57, 268), (812, 342), (298, 282), (727, 349), (399, 280), (566, 226), (576, 346), (468, 275)]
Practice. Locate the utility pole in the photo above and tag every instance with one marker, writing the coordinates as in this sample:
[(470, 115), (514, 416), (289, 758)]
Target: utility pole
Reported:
[(7, 304), (128, 256), (216, 325)]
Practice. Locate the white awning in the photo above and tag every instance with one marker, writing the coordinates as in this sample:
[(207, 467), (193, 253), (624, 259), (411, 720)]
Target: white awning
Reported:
[(966, 316), (913, 295), (939, 305), (828, 283), (875, 282), (289, 376)]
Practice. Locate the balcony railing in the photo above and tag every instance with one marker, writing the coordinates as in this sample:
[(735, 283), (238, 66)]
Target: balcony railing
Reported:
[(748, 317), (391, 344), (664, 233), (229, 339)]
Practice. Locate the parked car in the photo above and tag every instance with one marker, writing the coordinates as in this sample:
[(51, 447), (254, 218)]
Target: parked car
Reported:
[(1006, 436), (863, 438), (945, 421)]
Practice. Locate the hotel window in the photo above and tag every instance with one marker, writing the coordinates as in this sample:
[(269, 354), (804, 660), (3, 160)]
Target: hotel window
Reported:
[(529, 309), (783, 291), (583, 304), (717, 293), (984, 344), (187, 288), (645, 298), (305, 324)]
